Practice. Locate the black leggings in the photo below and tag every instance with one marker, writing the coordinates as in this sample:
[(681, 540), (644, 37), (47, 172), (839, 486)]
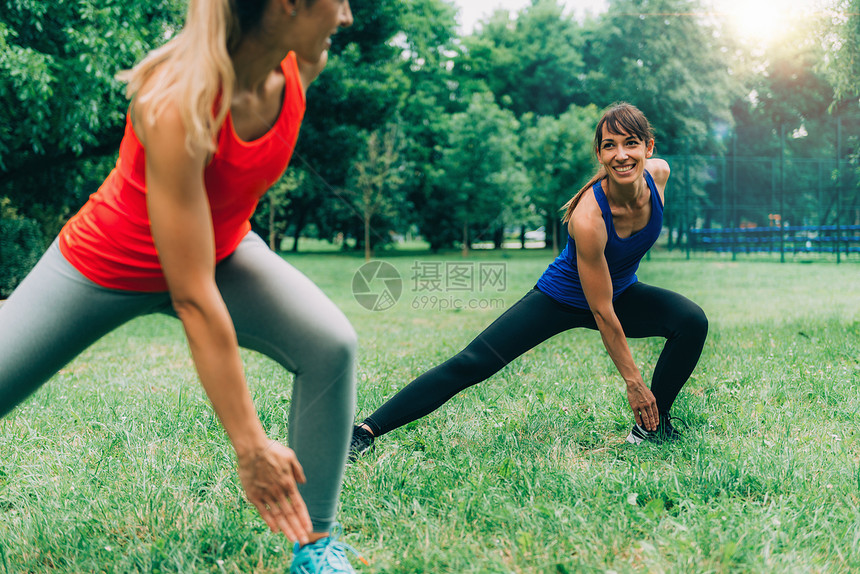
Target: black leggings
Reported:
[(644, 311)]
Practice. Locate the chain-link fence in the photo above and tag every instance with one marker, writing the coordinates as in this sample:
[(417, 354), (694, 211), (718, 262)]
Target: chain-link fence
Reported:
[(742, 205)]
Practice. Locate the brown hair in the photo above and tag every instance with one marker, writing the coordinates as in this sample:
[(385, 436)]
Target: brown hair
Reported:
[(620, 118)]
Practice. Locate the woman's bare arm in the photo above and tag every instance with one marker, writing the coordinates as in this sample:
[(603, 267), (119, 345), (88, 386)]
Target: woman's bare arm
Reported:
[(588, 229), (181, 225)]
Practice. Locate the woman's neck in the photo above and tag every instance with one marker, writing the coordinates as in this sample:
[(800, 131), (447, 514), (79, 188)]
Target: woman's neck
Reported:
[(252, 64), (626, 195)]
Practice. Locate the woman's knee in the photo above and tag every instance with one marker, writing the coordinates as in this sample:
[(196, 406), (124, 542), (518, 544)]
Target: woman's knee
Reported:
[(475, 363), (694, 322), (338, 345)]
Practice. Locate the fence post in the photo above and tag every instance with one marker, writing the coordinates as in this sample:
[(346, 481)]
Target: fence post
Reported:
[(687, 194), (821, 216), (725, 217), (772, 228), (781, 193), (734, 233), (838, 188)]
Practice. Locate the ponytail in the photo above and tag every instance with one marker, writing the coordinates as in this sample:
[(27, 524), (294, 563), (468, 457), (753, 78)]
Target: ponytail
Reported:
[(193, 71), (574, 201)]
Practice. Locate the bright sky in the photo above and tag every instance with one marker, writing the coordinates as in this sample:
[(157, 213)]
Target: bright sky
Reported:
[(471, 11), (754, 18)]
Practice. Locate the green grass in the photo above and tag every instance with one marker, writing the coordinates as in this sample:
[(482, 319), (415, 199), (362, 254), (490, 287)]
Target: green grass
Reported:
[(119, 465)]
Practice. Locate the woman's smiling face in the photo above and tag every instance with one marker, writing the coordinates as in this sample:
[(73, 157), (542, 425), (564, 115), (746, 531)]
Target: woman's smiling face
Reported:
[(624, 155)]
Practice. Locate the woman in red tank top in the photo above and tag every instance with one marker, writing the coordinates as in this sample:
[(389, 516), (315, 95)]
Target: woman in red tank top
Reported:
[(213, 120)]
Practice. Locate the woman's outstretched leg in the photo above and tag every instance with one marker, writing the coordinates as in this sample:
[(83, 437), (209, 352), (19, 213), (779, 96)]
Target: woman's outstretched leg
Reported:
[(53, 315), (532, 320), (281, 313)]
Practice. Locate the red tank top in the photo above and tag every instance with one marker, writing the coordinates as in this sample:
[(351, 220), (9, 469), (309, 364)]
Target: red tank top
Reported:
[(109, 240)]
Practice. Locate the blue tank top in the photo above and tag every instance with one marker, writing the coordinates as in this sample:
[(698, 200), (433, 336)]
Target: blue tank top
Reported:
[(561, 279)]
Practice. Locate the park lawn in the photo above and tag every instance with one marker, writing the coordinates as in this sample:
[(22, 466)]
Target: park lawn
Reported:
[(118, 464)]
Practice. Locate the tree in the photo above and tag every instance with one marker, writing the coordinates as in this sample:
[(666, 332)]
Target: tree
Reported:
[(61, 109), (21, 245), (558, 154), (673, 65), (479, 166), (429, 50), (59, 95), (361, 88), (375, 181), (273, 215), (531, 64), (842, 42)]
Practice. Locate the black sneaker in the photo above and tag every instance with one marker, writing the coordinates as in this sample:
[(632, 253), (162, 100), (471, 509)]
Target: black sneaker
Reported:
[(362, 441), (665, 431)]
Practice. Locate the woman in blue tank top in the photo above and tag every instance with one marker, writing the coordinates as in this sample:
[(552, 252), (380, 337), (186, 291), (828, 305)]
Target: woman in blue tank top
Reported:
[(612, 222)]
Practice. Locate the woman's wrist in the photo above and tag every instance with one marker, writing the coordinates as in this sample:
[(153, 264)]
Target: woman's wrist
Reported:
[(251, 444)]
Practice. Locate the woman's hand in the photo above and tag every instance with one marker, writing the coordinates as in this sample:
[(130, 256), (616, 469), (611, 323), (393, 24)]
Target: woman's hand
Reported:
[(270, 477), (644, 405)]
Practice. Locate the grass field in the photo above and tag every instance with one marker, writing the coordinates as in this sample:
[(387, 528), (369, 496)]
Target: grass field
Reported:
[(119, 465)]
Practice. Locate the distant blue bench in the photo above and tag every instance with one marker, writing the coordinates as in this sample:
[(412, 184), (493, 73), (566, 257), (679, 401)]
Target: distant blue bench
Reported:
[(794, 239)]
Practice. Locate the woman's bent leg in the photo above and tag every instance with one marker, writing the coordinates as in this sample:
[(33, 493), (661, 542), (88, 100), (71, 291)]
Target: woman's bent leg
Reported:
[(647, 311), (53, 315), (281, 313), (532, 320)]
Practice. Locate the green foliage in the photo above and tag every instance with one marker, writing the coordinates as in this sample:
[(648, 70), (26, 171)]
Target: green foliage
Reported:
[(58, 94), (62, 111), (558, 154), (430, 50), (375, 185), (361, 88), (785, 90), (532, 64), (842, 38), (480, 167), (21, 245), (274, 213)]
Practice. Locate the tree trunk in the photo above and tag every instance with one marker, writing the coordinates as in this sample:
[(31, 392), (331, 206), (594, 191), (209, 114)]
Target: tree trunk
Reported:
[(300, 226), (466, 239), (547, 225), (555, 237), (368, 253), (272, 224), (498, 237), (522, 236)]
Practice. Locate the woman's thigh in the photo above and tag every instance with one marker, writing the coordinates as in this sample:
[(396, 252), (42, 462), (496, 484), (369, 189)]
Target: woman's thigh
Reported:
[(53, 315), (277, 310), (648, 311)]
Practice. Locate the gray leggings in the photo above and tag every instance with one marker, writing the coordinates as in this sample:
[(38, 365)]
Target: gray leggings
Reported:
[(56, 313)]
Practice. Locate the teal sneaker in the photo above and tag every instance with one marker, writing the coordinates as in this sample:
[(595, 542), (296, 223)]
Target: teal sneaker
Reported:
[(325, 556)]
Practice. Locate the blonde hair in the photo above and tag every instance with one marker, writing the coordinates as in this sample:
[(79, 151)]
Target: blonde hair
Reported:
[(193, 70), (618, 118)]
